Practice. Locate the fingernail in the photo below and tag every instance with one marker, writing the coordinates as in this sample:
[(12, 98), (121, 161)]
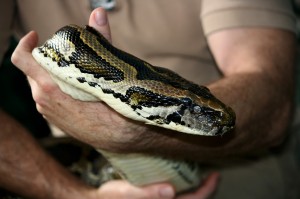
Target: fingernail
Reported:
[(100, 17), (167, 192)]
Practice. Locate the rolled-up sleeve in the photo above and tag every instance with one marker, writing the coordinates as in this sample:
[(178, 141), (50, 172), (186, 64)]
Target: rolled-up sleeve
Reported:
[(217, 15), (7, 8)]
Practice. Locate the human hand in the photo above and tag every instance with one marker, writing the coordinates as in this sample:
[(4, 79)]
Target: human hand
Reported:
[(206, 190), (123, 190), (85, 120), (92, 123)]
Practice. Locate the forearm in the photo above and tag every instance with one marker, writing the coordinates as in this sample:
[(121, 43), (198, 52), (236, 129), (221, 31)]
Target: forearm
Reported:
[(258, 85), (25, 169), (262, 108)]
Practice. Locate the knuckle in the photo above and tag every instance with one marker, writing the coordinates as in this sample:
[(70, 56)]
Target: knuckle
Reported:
[(15, 58), (40, 102), (47, 87), (40, 98), (37, 98), (39, 108), (125, 191)]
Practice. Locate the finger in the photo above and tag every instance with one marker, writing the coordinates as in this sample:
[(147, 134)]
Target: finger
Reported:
[(38, 96), (122, 189), (207, 188), (23, 52), (162, 191), (99, 21), (23, 59)]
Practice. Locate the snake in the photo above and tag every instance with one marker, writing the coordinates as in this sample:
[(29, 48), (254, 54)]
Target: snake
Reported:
[(86, 66)]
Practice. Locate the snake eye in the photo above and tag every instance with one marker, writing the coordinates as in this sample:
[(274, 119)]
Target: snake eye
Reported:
[(197, 109)]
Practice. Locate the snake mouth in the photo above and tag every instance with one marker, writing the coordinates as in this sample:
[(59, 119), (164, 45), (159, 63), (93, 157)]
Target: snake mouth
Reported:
[(229, 124), (226, 129)]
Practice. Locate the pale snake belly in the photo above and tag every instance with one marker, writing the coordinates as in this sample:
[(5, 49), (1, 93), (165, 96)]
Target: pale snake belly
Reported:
[(87, 67)]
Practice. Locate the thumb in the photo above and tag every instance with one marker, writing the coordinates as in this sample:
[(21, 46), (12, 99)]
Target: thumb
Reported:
[(99, 21), (122, 189), (22, 57), (162, 191)]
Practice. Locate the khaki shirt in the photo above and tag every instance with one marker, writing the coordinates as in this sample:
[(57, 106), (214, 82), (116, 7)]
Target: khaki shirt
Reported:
[(167, 33)]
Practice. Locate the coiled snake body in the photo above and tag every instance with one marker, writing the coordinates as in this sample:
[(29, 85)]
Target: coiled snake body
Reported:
[(87, 67)]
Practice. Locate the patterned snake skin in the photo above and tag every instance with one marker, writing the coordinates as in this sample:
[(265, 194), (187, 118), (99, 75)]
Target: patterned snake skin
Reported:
[(87, 67)]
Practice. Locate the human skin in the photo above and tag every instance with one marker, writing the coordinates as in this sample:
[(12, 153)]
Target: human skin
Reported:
[(257, 64), (27, 170)]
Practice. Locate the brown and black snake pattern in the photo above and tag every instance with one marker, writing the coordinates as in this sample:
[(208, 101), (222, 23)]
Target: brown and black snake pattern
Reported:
[(89, 68)]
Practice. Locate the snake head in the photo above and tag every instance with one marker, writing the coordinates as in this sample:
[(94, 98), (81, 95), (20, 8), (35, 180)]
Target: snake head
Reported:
[(213, 119), (209, 117), (191, 113)]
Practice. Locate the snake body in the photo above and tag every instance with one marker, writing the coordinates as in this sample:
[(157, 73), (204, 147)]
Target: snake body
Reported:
[(87, 67)]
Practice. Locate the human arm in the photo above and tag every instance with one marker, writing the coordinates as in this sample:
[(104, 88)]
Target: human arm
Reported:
[(25, 168), (264, 83), (131, 136), (38, 77), (258, 65), (28, 171)]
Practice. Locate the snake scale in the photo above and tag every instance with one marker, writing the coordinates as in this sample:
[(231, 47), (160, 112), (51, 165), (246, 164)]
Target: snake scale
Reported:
[(87, 67)]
